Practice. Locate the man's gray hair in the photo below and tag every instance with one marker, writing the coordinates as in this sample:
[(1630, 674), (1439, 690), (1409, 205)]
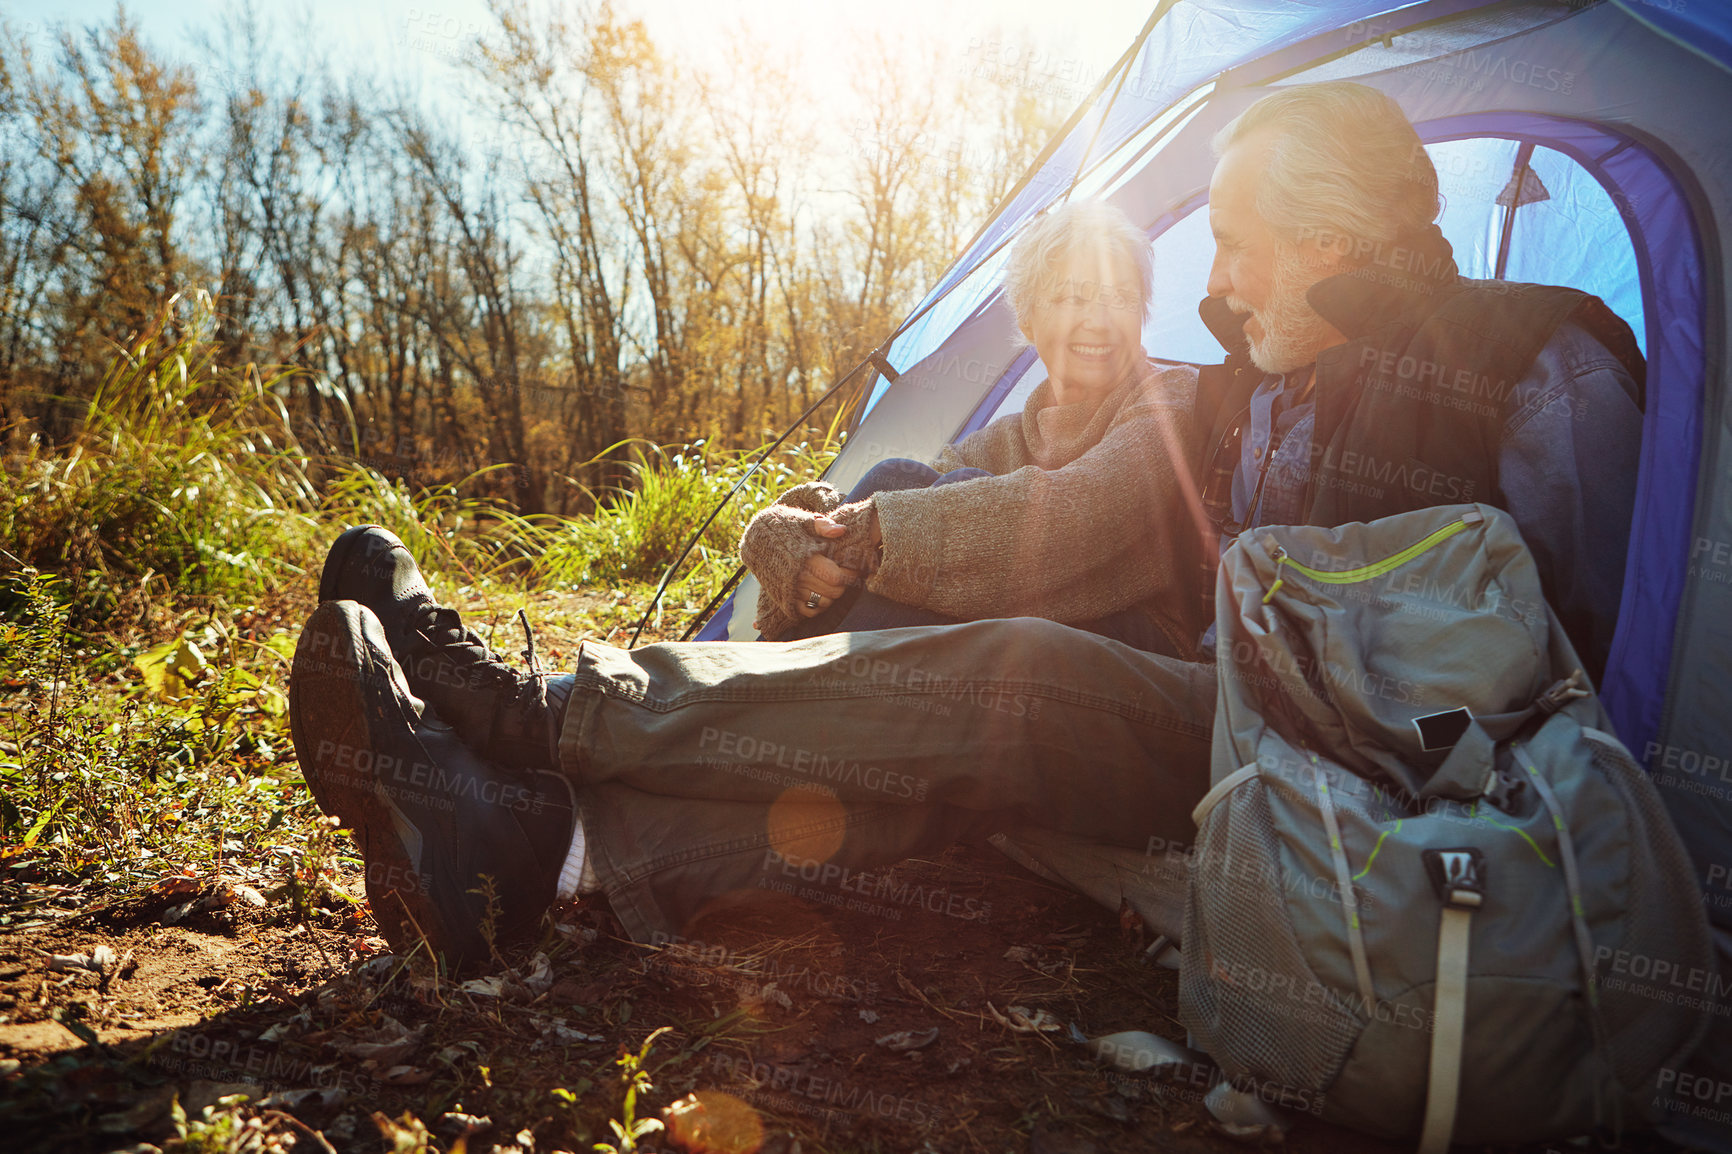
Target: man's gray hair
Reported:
[(1043, 247), (1345, 167)]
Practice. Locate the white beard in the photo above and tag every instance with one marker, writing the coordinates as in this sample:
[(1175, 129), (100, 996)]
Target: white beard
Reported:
[(1293, 333)]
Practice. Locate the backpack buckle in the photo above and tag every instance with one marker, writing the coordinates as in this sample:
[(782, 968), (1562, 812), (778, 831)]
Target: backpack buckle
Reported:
[(1458, 875)]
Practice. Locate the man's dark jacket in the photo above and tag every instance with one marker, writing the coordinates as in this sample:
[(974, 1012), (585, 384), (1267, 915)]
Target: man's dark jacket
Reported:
[(1411, 409)]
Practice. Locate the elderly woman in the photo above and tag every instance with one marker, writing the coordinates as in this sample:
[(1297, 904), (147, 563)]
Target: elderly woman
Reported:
[(1071, 510)]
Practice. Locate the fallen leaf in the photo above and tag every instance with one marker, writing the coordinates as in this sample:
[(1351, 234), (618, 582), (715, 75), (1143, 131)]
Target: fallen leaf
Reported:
[(771, 994), (567, 992), (382, 1053), (174, 915), (1138, 1051), (171, 669), (375, 968), (566, 1036), (1026, 1021), (904, 1040), (1243, 1115), (540, 978), (462, 1125), (713, 1122), (204, 1093)]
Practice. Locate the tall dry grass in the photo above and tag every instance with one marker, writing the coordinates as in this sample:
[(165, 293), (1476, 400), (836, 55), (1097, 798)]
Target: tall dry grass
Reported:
[(184, 489)]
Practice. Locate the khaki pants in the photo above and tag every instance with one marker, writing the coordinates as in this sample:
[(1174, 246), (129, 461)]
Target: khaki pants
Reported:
[(710, 769)]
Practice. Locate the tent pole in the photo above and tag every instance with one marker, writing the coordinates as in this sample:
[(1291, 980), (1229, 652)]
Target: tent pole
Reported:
[(1124, 71), (1518, 183), (1052, 146)]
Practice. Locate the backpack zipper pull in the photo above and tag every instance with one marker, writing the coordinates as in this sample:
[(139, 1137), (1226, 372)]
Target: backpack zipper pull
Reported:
[(1280, 560)]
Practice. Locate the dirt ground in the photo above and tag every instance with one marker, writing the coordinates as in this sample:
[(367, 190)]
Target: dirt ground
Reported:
[(791, 1027), (812, 1029)]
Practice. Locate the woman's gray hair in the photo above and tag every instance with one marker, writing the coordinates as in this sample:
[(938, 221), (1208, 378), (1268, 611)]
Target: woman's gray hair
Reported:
[(1044, 245), (1345, 169)]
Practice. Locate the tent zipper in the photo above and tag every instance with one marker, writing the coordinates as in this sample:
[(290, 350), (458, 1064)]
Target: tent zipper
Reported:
[(1373, 570)]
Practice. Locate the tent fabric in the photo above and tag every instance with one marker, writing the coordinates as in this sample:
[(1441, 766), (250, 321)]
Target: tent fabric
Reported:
[(1577, 237), (1195, 40), (1705, 29)]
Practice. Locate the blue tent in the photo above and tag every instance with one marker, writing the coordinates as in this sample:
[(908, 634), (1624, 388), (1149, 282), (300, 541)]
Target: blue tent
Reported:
[(1619, 109)]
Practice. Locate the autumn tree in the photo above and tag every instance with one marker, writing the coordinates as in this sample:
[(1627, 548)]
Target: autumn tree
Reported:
[(600, 242), (111, 135)]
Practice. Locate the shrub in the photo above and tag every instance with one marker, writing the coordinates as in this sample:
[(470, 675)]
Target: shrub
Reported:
[(182, 472)]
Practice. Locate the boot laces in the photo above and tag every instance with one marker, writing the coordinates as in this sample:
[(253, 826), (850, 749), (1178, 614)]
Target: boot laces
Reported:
[(535, 689), (442, 628)]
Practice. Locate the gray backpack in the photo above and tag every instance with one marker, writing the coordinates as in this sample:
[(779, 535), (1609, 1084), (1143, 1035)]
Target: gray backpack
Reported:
[(1426, 870)]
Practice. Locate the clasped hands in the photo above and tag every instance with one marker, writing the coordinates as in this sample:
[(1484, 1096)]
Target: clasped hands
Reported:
[(806, 549), (822, 580)]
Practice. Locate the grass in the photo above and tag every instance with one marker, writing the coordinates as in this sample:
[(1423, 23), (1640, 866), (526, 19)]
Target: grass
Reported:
[(124, 762), (639, 532), (155, 568), (154, 571), (184, 479)]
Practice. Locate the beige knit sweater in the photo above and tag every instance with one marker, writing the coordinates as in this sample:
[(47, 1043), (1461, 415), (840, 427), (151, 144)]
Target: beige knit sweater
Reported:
[(1086, 513)]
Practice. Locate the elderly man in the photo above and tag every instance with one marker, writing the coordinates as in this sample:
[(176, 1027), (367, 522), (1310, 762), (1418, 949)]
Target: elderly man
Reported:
[(671, 777)]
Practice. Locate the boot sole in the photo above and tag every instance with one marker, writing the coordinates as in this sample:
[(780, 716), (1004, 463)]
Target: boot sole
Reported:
[(344, 706)]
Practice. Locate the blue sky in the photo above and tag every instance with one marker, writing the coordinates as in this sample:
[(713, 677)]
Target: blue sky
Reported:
[(412, 47), (408, 38)]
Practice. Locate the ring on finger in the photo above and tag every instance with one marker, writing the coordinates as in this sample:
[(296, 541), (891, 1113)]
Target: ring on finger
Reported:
[(814, 599)]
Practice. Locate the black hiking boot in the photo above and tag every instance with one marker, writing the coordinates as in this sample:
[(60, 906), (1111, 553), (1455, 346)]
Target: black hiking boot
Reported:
[(437, 826), (499, 711)]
